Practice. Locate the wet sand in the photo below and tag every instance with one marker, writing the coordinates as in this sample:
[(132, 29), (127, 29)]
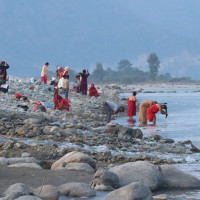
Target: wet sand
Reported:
[(34, 177)]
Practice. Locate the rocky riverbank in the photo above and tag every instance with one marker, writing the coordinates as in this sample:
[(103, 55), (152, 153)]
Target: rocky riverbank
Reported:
[(36, 139)]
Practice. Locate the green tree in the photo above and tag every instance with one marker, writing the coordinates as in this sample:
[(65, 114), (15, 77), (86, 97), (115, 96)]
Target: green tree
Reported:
[(124, 65), (98, 73), (154, 64)]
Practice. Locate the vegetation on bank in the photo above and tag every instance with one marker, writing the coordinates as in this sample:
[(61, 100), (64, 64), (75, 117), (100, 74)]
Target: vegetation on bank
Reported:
[(126, 73)]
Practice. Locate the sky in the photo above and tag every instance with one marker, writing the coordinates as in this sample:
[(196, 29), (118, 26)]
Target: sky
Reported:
[(80, 33)]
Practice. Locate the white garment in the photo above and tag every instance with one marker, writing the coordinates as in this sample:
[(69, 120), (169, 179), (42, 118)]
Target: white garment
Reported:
[(63, 83)]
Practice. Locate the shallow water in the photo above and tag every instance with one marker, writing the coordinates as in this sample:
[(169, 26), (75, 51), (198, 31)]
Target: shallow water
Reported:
[(182, 122)]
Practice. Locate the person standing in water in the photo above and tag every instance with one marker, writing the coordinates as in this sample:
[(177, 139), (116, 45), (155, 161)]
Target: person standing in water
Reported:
[(152, 110), (44, 73), (84, 77), (143, 110), (131, 107)]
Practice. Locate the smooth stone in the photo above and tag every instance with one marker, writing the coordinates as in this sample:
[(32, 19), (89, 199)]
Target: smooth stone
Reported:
[(133, 191), (14, 191), (22, 160), (74, 156), (46, 192), (30, 165), (175, 178), (3, 161), (76, 190), (79, 167), (140, 171), (25, 154), (28, 197), (31, 121), (104, 180)]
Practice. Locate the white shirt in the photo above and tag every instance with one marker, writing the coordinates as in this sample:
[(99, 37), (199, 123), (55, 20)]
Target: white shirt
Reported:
[(113, 105)]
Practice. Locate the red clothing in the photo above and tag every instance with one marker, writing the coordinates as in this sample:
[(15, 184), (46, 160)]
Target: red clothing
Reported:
[(151, 112), (18, 95), (59, 102), (131, 108), (59, 73), (93, 91)]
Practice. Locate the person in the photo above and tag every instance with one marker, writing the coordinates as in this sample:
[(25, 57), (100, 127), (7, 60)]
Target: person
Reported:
[(20, 97), (93, 91), (59, 72), (59, 102), (131, 107), (84, 77), (44, 73), (152, 110), (3, 72), (64, 84), (66, 71), (143, 110), (78, 78), (111, 108)]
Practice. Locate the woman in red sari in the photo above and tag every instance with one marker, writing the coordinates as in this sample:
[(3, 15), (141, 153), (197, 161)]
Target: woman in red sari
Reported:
[(59, 102), (131, 107), (93, 91), (152, 110)]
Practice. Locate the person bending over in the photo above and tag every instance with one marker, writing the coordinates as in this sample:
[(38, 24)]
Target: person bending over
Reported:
[(111, 108), (152, 110)]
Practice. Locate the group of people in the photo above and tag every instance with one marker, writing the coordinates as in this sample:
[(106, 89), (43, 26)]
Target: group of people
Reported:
[(62, 74), (147, 110)]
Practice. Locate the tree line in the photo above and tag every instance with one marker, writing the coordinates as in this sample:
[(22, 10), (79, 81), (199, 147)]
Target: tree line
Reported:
[(126, 73)]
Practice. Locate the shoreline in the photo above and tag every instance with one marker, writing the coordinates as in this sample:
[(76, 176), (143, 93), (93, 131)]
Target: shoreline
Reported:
[(83, 126)]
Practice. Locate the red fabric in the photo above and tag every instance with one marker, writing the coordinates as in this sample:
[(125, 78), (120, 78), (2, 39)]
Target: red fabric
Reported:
[(44, 79), (59, 73), (151, 112), (59, 102), (65, 73), (64, 105), (93, 91), (18, 95), (131, 108)]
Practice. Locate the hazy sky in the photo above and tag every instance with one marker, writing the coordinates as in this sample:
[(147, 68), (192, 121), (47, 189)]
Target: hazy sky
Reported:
[(80, 33)]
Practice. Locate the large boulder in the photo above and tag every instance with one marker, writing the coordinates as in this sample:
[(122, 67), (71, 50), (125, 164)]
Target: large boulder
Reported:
[(76, 190), (46, 192), (3, 161), (133, 191), (74, 156), (105, 180), (28, 197), (15, 191), (175, 178), (140, 171), (79, 167)]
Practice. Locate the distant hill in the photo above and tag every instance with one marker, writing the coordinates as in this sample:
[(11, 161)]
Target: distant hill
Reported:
[(82, 32)]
